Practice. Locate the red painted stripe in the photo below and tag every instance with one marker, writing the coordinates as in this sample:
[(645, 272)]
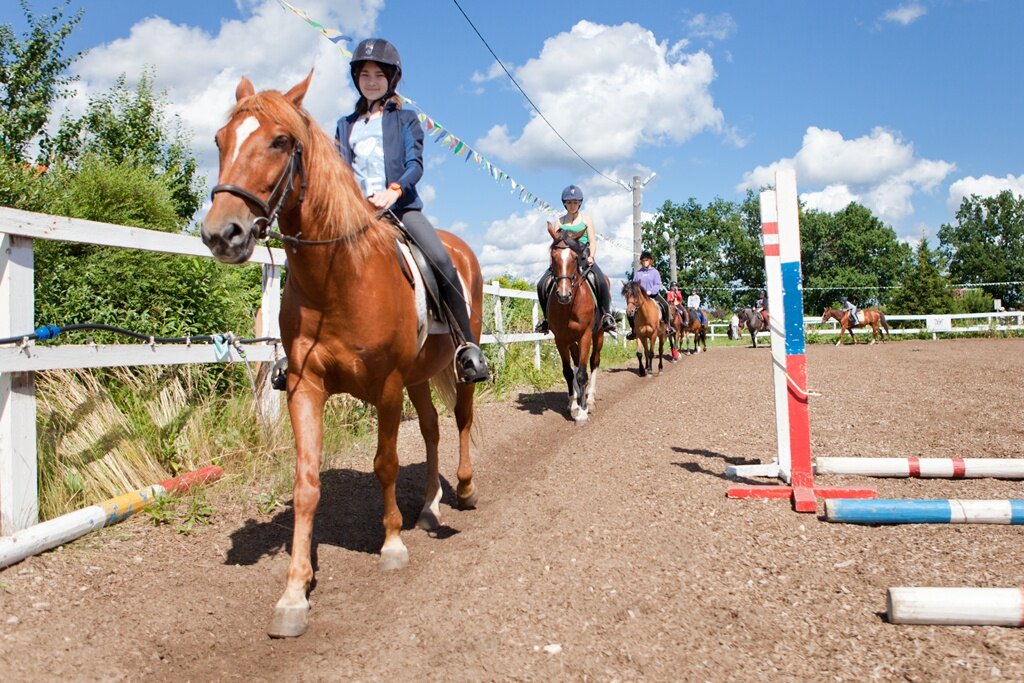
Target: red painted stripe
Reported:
[(959, 468), (801, 472), (914, 467), (771, 250), (770, 228)]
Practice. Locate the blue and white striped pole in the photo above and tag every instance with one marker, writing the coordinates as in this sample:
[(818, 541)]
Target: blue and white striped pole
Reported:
[(898, 511)]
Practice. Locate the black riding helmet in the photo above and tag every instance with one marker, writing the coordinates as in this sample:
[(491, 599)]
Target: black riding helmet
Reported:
[(646, 254), (382, 52)]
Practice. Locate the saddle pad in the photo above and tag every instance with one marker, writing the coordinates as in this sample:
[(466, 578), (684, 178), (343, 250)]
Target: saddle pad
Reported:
[(426, 321)]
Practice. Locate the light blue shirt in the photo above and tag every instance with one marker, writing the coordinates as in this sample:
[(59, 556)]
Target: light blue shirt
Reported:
[(367, 141)]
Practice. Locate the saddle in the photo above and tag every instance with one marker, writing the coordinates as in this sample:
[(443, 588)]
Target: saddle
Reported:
[(591, 278), (430, 315)]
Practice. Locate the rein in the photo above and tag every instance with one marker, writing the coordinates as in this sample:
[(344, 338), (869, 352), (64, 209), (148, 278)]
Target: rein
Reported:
[(272, 207)]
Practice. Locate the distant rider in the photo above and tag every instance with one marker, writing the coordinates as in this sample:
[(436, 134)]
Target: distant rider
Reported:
[(693, 301), (649, 279), (761, 305), (851, 309), (578, 226)]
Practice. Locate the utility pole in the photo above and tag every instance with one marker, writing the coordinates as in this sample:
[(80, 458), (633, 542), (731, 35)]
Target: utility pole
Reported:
[(673, 270), (637, 246)]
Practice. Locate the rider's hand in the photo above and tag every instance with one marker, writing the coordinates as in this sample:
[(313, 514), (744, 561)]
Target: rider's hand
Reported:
[(590, 260), (384, 199)]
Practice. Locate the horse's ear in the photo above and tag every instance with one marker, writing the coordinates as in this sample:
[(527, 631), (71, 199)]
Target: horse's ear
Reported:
[(296, 94), (244, 89)]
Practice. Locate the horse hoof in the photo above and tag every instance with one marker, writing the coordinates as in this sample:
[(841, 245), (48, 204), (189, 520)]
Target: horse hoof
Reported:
[(467, 499), (428, 521), (289, 622), (395, 557), (582, 419)]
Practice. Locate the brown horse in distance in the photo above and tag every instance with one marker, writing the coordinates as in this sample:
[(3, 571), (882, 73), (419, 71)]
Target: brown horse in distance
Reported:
[(574, 321), (870, 316), (647, 325), (753, 321), (694, 326), (349, 316)]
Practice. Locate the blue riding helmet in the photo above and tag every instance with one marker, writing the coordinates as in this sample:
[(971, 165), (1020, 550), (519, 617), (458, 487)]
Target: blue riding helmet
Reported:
[(572, 192), (844, 300)]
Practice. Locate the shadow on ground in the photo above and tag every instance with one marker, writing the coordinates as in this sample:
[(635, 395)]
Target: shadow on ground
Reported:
[(349, 516)]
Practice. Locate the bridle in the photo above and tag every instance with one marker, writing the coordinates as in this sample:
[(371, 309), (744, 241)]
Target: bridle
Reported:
[(278, 196), (563, 244)]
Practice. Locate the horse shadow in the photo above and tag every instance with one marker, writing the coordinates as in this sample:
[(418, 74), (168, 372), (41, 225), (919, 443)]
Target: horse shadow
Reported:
[(543, 401), (727, 459), (348, 516)]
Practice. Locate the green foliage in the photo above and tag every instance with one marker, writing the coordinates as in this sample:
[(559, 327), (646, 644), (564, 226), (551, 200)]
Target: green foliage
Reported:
[(31, 77), (925, 289), (198, 511), (161, 511), (128, 128), (972, 301), (848, 254), (20, 185), (986, 244)]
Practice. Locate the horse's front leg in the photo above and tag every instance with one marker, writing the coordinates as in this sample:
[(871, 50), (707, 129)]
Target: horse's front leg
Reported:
[(661, 352), (582, 379), (639, 356), (595, 362), (306, 409), (430, 515), (466, 490), (568, 375), (393, 554)]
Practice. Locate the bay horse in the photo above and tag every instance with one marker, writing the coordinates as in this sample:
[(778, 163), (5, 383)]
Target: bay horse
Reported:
[(694, 325), (752, 320), (869, 316), (574, 321), (647, 325), (350, 321)]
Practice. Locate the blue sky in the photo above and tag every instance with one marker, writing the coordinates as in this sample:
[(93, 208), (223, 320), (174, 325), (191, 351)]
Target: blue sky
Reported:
[(904, 106)]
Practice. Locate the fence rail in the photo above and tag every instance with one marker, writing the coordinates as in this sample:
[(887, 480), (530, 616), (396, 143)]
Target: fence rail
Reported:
[(19, 363)]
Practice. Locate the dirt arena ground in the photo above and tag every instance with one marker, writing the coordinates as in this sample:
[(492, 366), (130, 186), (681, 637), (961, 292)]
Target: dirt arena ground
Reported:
[(605, 553)]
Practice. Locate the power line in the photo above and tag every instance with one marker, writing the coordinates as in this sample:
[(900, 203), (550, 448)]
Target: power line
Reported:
[(535, 107)]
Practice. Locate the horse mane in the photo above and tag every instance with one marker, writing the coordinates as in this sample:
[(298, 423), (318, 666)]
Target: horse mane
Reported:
[(334, 201), (633, 288)]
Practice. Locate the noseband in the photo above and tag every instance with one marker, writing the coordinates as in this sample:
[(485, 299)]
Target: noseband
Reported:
[(580, 268), (278, 196)]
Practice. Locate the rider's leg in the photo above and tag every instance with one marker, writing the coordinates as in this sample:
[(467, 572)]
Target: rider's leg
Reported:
[(604, 299), (470, 365), (543, 285)]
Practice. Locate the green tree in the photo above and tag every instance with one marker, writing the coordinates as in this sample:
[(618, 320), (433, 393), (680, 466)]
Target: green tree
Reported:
[(851, 253), (986, 244), (31, 77), (129, 127), (924, 288)]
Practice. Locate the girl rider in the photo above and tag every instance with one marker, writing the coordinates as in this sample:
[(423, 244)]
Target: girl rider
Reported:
[(579, 227), (383, 144), (650, 279)]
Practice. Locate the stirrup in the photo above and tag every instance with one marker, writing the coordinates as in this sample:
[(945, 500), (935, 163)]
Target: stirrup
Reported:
[(279, 375), (608, 323), (542, 327), (470, 365), (631, 335)]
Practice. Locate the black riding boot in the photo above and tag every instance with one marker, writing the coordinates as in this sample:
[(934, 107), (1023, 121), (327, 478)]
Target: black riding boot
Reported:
[(604, 300), (632, 331), (542, 298)]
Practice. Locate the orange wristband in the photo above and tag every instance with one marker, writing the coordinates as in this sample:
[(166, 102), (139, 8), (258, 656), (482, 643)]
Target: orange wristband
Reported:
[(396, 187)]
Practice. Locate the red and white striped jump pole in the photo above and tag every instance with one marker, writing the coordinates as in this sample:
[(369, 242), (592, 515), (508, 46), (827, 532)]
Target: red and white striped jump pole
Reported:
[(789, 360), (61, 530), (924, 468)]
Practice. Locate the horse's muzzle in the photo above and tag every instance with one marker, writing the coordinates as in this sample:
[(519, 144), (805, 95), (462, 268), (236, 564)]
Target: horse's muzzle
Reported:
[(229, 242)]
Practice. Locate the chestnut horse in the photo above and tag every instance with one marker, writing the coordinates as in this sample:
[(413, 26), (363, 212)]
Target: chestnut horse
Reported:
[(349, 316), (573, 319), (647, 325), (870, 316)]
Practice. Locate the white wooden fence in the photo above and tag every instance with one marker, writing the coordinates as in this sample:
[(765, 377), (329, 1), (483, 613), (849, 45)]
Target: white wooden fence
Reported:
[(18, 364), (944, 324)]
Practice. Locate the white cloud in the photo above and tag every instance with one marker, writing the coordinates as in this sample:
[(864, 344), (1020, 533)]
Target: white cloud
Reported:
[(634, 91), (518, 244), (985, 186), (717, 27), (833, 198), (879, 169), (200, 70), (427, 192), (494, 72), (906, 14)]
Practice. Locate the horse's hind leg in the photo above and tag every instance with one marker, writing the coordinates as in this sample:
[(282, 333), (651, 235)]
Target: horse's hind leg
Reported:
[(430, 516), (466, 490), (291, 613)]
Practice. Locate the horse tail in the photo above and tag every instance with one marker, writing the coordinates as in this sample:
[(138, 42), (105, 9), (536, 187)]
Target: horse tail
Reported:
[(881, 319), (444, 385)]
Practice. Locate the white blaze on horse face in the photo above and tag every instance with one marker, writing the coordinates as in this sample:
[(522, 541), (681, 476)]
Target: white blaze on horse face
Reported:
[(246, 128), (564, 256)]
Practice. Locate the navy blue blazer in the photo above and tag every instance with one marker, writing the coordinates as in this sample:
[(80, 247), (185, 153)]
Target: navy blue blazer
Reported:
[(403, 151)]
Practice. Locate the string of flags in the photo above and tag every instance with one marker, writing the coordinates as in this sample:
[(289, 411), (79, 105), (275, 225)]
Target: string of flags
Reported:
[(456, 145)]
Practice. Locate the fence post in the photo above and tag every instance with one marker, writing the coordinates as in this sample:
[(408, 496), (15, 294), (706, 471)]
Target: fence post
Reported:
[(536, 344), (19, 506), (270, 326), (499, 322)]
